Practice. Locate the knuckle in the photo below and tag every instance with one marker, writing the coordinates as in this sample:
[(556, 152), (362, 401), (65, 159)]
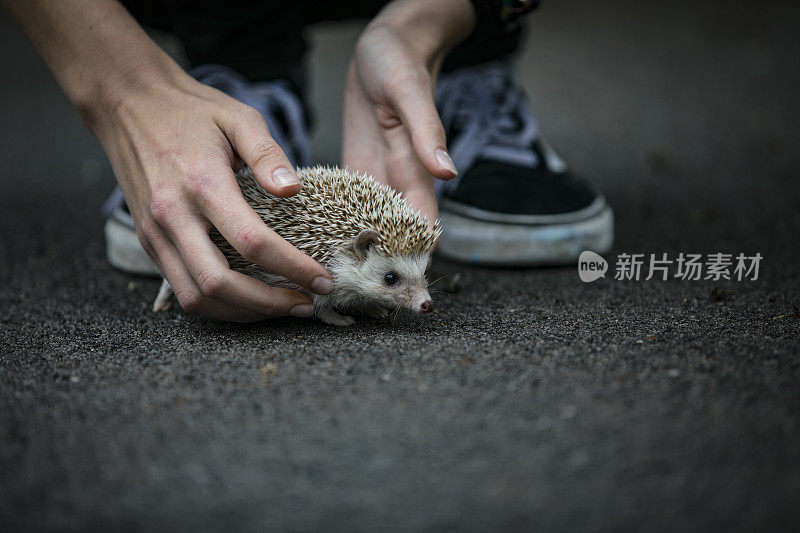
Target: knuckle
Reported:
[(245, 113), (199, 186), (163, 207), (190, 301), (251, 243), (198, 183), (211, 282), (267, 150), (193, 172), (243, 118)]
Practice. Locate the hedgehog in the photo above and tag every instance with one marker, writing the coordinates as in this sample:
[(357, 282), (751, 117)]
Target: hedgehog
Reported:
[(372, 241)]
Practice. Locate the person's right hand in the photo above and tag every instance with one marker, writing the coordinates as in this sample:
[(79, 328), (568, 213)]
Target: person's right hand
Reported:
[(173, 144)]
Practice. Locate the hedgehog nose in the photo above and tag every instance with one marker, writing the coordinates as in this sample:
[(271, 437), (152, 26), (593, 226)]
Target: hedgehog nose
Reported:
[(426, 306)]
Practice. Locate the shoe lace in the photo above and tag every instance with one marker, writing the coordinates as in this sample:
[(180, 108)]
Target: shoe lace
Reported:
[(273, 99), (489, 114)]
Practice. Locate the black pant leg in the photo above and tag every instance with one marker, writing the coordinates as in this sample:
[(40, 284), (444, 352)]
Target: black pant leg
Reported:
[(263, 40), (482, 48), (490, 45)]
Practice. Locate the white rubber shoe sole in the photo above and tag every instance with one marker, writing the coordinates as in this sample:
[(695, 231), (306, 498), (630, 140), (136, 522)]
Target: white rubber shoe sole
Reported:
[(504, 243), (553, 241), (123, 250)]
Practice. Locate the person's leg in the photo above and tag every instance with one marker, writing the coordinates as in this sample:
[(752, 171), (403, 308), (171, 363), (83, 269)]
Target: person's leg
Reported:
[(514, 201), (262, 40), (487, 46)]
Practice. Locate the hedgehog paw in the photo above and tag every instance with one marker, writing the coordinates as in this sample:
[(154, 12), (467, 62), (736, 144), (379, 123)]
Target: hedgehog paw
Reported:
[(332, 318), (376, 311)]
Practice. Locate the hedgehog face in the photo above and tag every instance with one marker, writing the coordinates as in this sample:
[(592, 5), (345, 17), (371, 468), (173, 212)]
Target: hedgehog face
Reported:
[(374, 277), (396, 281)]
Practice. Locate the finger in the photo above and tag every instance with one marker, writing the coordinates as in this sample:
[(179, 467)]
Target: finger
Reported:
[(414, 103), (363, 148), (188, 293), (225, 207), (366, 148), (406, 173), (217, 281), (248, 134), (423, 197)]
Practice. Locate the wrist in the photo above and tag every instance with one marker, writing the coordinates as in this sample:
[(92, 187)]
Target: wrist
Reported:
[(99, 97), (432, 29), (95, 50)]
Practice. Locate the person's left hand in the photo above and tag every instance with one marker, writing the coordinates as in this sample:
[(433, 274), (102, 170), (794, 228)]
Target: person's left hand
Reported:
[(391, 127)]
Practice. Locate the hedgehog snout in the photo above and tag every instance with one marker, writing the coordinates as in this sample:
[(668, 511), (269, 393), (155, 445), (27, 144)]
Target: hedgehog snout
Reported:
[(422, 304)]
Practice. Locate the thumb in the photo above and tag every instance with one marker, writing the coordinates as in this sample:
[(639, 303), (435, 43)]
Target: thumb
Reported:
[(414, 103), (249, 136)]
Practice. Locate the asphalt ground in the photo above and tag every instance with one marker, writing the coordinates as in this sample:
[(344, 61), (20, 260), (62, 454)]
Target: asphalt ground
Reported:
[(529, 400)]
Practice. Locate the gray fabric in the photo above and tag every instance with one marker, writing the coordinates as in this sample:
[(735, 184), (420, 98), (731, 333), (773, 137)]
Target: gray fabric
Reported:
[(493, 117), (265, 97), (114, 200)]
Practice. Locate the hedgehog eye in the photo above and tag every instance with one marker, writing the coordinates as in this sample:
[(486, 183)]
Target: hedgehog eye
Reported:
[(391, 278)]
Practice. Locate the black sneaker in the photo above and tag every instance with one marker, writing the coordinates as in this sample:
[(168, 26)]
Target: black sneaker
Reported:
[(514, 201), (285, 116)]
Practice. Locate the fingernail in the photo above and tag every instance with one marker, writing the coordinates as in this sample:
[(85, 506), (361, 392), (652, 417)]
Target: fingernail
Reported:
[(302, 310), (322, 285), (445, 162), (283, 177)]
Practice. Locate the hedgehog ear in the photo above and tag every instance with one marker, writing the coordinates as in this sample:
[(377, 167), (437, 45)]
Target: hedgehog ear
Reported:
[(363, 241)]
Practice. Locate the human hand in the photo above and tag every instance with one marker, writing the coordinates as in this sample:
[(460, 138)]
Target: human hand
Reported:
[(173, 144), (391, 127)]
